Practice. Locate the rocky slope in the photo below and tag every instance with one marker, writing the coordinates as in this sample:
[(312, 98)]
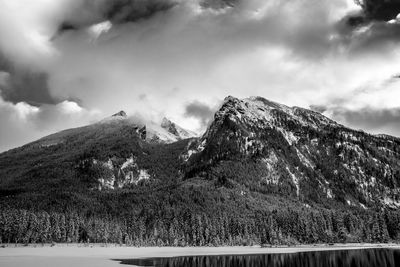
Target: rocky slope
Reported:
[(294, 151)]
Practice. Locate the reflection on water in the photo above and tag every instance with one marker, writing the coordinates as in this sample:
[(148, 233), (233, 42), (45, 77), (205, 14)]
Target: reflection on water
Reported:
[(345, 258)]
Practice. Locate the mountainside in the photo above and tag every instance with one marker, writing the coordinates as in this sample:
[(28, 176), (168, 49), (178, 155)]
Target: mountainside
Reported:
[(297, 152), (116, 152), (262, 173)]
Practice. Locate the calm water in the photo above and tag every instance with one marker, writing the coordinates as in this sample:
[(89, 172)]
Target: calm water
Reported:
[(345, 258)]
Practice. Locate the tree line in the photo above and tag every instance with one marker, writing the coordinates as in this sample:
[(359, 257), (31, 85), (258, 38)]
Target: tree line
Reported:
[(278, 227)]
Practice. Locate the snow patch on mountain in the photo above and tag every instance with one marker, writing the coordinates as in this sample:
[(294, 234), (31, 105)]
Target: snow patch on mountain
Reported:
[(112, 176), (295, 180), (165, 132), (176, 130)]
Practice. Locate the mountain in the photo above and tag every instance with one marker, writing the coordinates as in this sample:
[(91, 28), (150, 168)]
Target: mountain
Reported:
[(115, 152), (298, 152), (262, 173)]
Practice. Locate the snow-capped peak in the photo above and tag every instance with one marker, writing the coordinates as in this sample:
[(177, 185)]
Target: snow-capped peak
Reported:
[(176, 130), (166, 122), (256, 109)]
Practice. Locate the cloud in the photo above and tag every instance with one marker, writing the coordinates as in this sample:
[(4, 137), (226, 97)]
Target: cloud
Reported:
[(219, 4), (200, 111), (21, 84), (372, 107), (22, 123), (86, 13), (26, 86), (122, 11), (185, 41), (380, 10), (24, 29), (372, 29), (372, 120)]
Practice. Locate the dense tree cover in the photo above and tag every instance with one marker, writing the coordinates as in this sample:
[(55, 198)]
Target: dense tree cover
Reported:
[(184, 227), (195, 212)]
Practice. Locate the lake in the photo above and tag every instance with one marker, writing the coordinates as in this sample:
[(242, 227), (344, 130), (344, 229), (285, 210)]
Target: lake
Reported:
[(341, 258)]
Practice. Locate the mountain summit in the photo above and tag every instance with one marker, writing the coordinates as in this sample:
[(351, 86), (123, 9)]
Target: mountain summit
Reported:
[(120, 114)]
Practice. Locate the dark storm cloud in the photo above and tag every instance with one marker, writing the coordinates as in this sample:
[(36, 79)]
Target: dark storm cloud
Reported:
[(218, 4), (89, 12), (200, 111), (380, 9), (29, 87), (368, 37), (23, 85), (371, 119), (133, 10), (374, 27)]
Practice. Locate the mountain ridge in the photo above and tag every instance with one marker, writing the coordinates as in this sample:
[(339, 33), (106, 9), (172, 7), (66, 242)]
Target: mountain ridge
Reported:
[(290, 150)]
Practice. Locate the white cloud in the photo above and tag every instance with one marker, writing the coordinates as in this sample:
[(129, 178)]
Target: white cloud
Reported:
[(25, 29), (98, 29), (22, 123)]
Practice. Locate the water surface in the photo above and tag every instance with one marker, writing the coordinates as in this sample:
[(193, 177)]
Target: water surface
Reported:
[(342, 258)]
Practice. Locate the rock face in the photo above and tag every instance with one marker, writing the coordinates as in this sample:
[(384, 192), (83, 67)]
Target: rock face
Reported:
[(117, 172), (295, 151), (114, 175), (121, 114)]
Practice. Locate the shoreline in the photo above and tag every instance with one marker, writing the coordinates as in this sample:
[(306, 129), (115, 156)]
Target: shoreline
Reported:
[(96, 249), (97, 255)]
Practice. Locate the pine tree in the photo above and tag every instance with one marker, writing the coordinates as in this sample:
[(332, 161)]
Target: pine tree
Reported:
[(383, 231), (55, 227)]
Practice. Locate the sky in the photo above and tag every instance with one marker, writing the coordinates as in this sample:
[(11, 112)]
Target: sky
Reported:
[(68, 63)]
